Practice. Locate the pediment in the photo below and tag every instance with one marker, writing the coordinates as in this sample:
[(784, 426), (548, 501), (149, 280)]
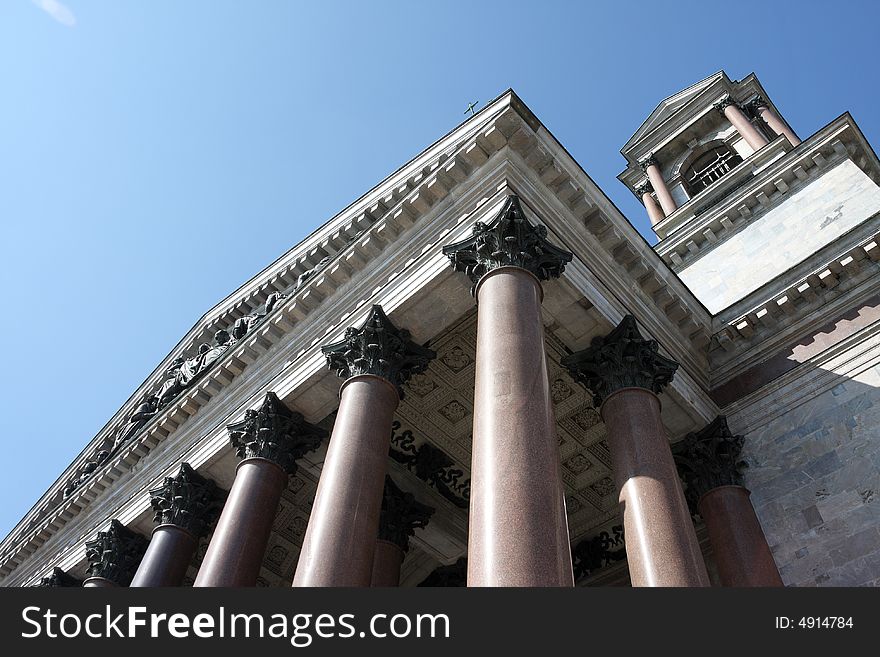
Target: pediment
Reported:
[(669, 106)]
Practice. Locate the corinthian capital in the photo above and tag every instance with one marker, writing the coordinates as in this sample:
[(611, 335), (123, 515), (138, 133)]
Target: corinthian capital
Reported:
[(378, 348), (275, 433), (509, 240), (115, 554), (59, 578), (647, 161), (401, 515), (644, 187), (621, 359), (725, 102), (189, 501), (708, 459)]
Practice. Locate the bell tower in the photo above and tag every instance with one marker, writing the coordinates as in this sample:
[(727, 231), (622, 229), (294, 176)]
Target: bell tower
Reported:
[(736, 198)]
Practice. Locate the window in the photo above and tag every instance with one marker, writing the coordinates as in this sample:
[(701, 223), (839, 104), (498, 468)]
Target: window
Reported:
[(709, 167)]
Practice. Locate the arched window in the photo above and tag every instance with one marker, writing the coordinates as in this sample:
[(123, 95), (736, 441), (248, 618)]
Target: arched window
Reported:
[(709, 167)]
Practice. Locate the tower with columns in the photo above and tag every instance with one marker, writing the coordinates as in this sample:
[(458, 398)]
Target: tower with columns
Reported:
[(480, 374)]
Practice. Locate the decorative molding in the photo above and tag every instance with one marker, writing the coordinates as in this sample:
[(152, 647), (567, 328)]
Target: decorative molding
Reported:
[(378, 348), (708, 459), (595, 553), (401, 515), (509, 240), (189, 501), (275, 433), (59, 578), (115, 554), (621, 359), (430, 464)]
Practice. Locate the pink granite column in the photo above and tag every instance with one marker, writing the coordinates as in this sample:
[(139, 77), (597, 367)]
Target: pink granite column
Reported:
[(401, 515), (655, 214), (626, 374), (340, 540), (518, 530), (387, 560), (269, 441), (740, 121), (185, 507), (709, 464), (651, 167), (113, 556), (762, 109)]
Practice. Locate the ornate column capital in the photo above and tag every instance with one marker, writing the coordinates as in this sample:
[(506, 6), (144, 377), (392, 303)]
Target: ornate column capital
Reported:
[(401, 515), (621, 359), (59, 578), (647, 161), (754, 104), (708, 459), (644, 187), (378, 348), (115, 554), (725, 102), (189, 501), (275, 433), (509, 240)]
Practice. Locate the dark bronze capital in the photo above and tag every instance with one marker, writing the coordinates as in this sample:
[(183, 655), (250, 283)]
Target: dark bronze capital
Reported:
[(115, 554), (621, 359), (189, 501), (378, 348), (509, 240), (401, 515), (708, 459), (276, 433)]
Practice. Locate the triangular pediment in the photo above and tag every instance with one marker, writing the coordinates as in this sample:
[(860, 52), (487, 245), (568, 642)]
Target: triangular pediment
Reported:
[(670, 105)]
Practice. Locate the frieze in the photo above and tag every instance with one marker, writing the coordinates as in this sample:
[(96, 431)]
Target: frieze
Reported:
[(430, 464), (182, 373)]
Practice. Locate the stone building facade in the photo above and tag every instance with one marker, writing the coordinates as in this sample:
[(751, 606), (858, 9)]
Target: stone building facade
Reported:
[(479, 373)]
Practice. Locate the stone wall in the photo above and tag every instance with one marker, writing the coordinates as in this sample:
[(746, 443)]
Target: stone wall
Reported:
[(804, 222), (814, 473)]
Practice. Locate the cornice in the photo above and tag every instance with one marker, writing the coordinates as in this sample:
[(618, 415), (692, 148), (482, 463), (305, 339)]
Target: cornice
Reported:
[(687, 236), (758, 329)]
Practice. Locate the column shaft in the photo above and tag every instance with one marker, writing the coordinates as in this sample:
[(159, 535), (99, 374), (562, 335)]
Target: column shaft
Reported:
[(518, 532), (99, 582), (659, 185), (661, 545), (741, 551), (236, 551), (386, 564), (344, 523), (777, 125), (744, 127), (655, 214), (167, 558)]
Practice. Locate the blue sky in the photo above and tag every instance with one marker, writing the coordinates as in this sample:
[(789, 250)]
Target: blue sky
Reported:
[(155, 155)]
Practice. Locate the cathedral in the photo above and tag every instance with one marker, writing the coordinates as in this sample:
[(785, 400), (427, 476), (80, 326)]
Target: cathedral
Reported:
[(480, 374)]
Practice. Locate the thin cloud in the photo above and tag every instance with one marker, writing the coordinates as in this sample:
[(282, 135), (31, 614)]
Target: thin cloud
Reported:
[(57, 11)]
